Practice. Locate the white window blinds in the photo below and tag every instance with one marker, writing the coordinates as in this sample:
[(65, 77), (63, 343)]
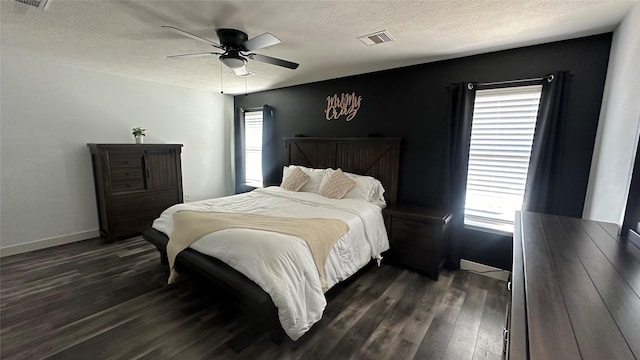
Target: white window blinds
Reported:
[(502, 130), (253, 148)]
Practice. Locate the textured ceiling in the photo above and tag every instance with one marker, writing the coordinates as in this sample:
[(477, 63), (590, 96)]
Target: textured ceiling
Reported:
[(125, 37)]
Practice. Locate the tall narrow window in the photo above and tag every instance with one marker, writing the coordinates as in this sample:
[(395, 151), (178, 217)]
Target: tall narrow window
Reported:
[(503, 125), (253, 148)]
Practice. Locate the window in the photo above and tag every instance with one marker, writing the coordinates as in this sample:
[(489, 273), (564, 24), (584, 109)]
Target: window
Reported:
[(253, 148), (502, 129)]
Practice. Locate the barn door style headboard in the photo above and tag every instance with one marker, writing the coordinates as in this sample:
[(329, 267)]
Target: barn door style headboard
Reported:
[(374, 156)]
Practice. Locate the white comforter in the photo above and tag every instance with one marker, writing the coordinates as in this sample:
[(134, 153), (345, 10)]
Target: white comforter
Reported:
[(282, 264)]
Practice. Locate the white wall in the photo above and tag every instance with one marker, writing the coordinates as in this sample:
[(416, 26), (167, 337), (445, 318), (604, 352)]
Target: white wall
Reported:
[(50, 112), (619, 126)]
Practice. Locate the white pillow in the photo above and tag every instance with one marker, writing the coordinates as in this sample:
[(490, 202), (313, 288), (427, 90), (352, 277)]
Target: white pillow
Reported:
[(315, 177), (367, 188), (377, 194)]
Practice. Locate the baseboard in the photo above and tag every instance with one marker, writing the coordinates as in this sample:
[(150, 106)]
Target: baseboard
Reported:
[(47, 243), (485, 270)]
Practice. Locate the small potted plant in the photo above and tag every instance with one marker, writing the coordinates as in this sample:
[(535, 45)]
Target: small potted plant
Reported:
[(138, 133)]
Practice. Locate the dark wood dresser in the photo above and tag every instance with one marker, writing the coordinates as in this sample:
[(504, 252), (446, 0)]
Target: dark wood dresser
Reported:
[(574, 290), (417, 237), (134, 184)]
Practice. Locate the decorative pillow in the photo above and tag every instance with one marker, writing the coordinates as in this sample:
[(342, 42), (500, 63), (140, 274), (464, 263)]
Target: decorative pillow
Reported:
[(295, 180), (337, 185), (366, 188), (315, 177)]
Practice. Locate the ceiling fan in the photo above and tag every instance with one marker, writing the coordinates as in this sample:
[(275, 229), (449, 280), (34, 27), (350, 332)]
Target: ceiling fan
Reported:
[(236, 49)]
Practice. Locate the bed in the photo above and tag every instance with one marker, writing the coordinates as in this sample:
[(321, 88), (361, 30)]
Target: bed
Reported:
[(377, 157)]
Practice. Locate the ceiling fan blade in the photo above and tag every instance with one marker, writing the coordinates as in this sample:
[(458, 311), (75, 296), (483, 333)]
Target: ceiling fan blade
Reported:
[(193, 55), (273, 61), (191, 36), (241, 71), (260, 41)]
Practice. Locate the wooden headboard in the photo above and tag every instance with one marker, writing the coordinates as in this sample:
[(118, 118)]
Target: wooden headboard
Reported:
[(374, 156)]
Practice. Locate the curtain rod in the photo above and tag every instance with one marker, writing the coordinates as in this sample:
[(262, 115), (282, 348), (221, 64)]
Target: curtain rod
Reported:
[(549, 78)]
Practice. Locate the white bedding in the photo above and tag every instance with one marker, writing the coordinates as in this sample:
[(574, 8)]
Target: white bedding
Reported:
[(282, 264)]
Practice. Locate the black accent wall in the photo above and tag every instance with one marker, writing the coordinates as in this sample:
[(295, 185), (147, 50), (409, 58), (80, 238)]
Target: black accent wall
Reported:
[(411, 102)]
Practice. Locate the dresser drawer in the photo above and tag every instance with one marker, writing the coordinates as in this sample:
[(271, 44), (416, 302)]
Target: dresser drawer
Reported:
[(121, 174), (131, 222), (135, 203), (126, 161), (127, 179), (407, 250), (406, 240), (135, 212), (419, 228)]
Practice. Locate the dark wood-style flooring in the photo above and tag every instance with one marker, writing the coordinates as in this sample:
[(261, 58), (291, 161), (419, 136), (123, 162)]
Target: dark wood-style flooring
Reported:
[(91, 300)]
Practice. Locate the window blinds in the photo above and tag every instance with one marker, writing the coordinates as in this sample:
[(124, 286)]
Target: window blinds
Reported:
[(253, 148), (502, 131)]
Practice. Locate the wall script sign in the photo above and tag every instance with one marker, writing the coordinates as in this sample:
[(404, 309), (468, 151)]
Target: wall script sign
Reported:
[(345, 104)]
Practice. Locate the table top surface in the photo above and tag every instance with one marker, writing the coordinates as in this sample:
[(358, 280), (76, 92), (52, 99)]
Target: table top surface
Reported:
[(581, 288)]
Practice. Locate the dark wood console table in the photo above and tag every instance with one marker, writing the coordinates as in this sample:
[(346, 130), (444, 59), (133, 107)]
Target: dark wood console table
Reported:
[(575, 290)]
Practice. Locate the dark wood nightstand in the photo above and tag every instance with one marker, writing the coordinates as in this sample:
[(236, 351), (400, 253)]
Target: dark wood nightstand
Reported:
[(417, 236)]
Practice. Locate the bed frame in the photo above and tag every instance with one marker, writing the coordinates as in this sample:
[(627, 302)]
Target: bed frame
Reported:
[(374, 156)]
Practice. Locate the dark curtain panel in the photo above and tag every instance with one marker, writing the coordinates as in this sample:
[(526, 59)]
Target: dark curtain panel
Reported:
[(542, 186), (268, 144), (461, 100), (239, 150)]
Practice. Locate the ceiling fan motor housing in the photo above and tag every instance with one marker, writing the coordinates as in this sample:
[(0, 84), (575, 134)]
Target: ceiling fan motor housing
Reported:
[(232, 39)]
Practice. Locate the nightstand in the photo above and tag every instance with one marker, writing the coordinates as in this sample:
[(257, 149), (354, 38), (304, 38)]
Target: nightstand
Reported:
[(418, 237)]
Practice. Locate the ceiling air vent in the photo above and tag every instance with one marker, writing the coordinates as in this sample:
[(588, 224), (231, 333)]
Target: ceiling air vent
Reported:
[(376, 38), (41, 4)]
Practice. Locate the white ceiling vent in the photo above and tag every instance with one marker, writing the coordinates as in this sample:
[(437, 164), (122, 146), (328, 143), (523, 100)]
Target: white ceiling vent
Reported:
[(376, 38), (41, 4)]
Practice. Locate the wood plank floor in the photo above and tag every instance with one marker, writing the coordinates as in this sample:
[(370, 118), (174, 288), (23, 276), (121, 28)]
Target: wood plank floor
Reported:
[(91, 300)]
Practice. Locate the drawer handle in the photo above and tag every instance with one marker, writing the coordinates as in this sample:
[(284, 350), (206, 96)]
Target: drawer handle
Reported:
[(509, 286), (505, 340), (148, 173)]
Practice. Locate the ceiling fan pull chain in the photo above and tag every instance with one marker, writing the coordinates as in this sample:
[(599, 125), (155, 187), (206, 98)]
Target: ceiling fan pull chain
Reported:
[(221, 89)]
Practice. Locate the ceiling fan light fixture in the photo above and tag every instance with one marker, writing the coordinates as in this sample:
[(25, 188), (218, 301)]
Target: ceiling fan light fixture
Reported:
[(232, 61)]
